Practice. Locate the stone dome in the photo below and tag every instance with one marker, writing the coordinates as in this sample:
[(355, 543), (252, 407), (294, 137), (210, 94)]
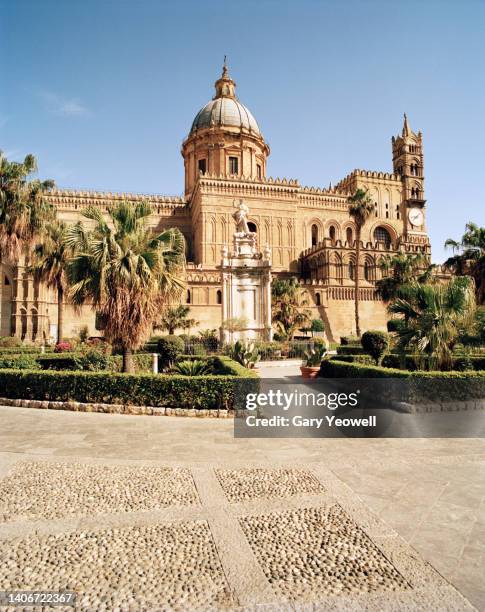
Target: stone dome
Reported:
[(225, 109)]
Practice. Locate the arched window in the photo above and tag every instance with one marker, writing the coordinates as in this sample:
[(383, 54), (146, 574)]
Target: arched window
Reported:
[(332, 233), (314, 234), (23, 322), (318, 299), (369, 270), (253, 228), (351, 270), (350, 238), (35, 323), (382, 235), (219, 296), (188, 297)]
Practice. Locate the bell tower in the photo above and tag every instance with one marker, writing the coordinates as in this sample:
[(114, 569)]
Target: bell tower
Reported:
[(408, 163)]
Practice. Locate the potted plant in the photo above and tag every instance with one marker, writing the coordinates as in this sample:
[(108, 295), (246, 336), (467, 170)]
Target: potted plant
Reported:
[(312, 360)]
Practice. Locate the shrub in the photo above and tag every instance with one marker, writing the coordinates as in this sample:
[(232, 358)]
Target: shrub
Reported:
[(19, 361), (349, 340), (319, 341), (59, 361), (63, 347), (350, 349), (376, 344), (10, 341), (93, 360), (192, 367), (245, 353), (100, 345), (365, 359), (83, 333), (314, 356), (170, 348), (270, 350), (209, 339)]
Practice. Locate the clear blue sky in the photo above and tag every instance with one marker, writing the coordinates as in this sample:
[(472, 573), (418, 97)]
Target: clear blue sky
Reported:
[(103, 92)]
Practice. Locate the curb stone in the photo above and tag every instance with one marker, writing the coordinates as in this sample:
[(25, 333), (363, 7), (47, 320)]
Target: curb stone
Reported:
[(118, 408)]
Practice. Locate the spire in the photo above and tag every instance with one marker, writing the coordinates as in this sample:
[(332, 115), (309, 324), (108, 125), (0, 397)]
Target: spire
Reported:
[(405, 130), (225, 86), (225, 73)]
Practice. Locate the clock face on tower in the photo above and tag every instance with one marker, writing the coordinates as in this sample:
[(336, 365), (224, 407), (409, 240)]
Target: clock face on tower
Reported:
[(416, 217)]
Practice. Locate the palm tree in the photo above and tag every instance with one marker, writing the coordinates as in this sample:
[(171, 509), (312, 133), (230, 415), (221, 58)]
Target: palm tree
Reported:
[(49, 264), (470, 257), (126, 271), (432, 317), (23, 209), (288, 307), (176, 317), (361, 207), (400, 270)]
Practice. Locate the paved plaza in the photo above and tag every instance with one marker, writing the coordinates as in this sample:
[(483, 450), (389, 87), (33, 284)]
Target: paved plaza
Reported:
[(137, 512)]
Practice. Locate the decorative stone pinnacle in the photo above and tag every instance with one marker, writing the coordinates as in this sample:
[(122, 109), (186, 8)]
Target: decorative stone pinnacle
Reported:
[(405, 130)]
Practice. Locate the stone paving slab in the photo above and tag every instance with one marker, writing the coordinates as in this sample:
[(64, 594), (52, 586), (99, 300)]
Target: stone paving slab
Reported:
[(217, 554), (36, 489)]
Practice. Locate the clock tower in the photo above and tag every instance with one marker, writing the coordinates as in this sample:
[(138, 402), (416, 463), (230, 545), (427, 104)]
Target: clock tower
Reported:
[(407, 160)]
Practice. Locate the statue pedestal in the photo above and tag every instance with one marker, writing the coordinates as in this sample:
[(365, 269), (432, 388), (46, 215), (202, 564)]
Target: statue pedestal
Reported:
[(246, 291)]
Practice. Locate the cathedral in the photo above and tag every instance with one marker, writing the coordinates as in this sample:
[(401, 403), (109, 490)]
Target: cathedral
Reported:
[(307, 230)]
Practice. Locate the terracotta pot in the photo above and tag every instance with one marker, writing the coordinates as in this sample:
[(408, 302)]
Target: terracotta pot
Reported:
[(309, 371)]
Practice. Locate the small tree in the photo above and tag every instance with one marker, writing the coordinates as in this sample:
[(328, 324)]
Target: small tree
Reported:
[(288, 307), (317, 326), (376, 344), (176, 317)]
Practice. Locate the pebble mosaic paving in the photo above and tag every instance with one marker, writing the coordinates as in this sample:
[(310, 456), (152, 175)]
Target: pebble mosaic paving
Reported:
[(54, 490), (312, 552), (204, 537), (258, 483), (157, 567)]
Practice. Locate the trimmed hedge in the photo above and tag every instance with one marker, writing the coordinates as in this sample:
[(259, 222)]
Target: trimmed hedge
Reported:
[(21, 350), (19, 361), (393, 360), (420, 386), (350, 349), (76, 361), (175, 391)]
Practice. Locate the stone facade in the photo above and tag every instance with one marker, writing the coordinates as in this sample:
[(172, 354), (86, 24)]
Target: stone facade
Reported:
[(307, 230)]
